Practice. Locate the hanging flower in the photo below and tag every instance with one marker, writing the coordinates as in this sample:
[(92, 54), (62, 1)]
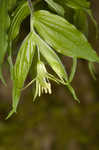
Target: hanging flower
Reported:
[(42, 80), (43, 84)]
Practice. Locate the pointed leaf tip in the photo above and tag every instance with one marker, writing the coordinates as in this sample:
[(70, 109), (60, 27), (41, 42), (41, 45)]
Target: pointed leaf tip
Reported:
[(56, 31), (73, 92), (92, 70), (10, 113)]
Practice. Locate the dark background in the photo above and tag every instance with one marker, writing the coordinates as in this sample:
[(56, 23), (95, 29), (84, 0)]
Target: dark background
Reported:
[(54, 122)]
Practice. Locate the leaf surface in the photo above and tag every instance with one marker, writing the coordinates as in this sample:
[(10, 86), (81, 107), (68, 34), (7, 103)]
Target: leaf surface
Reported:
[(83, 5), (21, 69), (18, 16), (78, 4), (63, 36), (51, 57), (4, 24), (54, 61), (81, 21), (56, 7)]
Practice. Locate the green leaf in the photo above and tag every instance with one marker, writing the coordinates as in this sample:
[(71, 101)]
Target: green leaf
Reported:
[(73, 70), (63, 36), (1, 76), (54, 61), (51, 57), (68, 11), (92, 70), (84, 6), (78, 4), (81, 21), (21, 12), (21, 69), (18, 16), (11, 4), (94, 21), (56, 7), (4, 24)]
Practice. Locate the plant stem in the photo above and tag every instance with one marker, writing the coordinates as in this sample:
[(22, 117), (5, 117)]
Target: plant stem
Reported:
[(30, 6), (31, 11)]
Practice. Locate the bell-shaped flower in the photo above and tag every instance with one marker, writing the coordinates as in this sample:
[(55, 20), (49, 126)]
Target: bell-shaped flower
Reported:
[(43, 84)]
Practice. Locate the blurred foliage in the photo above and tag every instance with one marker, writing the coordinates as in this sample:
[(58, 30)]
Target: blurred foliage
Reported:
[(50, 124)]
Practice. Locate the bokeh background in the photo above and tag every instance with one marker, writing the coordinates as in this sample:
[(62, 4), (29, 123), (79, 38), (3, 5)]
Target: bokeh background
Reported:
[(54, 122)]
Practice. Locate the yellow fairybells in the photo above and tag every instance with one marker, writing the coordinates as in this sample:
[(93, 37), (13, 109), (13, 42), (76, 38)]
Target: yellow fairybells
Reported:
[(42, 80), (43, 84)]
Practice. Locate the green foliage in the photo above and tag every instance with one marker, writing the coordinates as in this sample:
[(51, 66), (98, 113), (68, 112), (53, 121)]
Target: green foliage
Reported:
[(82, 5), (21, 69), (49, 30), (81, 22), (78, 4), (19, 15), (56, 31), (56, 7), (54, 62), (11, 4), (4, 24)]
